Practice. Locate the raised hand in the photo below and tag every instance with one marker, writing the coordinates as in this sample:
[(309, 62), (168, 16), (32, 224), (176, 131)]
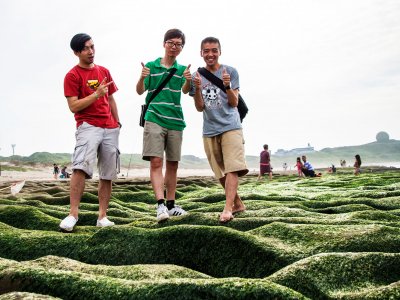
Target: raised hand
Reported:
[(102, 89), (226, 78), (187, 73), (145, 71), (197, 81)]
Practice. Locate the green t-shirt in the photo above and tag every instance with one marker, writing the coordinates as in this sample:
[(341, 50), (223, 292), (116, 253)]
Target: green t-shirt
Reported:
[(165, 109)]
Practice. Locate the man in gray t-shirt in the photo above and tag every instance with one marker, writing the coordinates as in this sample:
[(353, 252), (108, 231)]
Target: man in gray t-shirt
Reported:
[(222, 130)]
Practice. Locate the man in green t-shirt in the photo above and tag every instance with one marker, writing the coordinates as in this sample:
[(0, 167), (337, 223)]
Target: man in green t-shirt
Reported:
[(164, 121)]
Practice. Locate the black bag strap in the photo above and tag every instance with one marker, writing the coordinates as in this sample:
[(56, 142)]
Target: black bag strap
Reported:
[(162, 84), (212, 78)]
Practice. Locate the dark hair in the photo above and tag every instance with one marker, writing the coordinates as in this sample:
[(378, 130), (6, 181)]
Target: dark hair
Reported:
[(298, 159), (78, 41), (265, 146), (358, 159), (210, 39), (174, 34)]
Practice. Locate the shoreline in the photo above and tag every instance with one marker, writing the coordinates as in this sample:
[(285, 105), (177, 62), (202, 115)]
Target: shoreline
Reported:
[(45, 174)]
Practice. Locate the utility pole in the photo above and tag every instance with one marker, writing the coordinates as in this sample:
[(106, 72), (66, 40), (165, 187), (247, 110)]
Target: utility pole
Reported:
[(13, 146)]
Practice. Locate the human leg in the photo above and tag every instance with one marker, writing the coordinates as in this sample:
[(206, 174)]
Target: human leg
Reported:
[(156, 177), (105, 188), (173, 146), (77, 186), (238, 205), (171, 178), (87, 140), (231, 186)]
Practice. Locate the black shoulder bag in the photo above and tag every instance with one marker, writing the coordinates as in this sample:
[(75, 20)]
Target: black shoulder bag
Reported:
[(242, 107), (155, 93)]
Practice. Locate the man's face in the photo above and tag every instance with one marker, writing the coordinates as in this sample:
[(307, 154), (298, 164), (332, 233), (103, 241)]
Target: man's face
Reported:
[(304, 158), (86, 56), (173, 47), (210, 53)]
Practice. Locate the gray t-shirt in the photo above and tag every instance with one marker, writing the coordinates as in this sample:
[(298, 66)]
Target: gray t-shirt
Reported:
[(218, 115)]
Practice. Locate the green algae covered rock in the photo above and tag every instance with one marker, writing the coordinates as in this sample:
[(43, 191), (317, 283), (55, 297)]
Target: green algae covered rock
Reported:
[(333, 237)]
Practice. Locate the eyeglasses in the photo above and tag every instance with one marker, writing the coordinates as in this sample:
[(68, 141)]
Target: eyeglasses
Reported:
[(172, 44)]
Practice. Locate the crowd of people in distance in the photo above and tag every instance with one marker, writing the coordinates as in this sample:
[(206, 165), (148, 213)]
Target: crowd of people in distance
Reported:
[(302, 166)]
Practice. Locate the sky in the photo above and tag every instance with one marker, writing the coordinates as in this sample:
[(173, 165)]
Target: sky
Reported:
[(324, 72)]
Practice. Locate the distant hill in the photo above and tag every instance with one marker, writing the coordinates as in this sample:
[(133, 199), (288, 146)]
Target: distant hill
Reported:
[(371, 153)]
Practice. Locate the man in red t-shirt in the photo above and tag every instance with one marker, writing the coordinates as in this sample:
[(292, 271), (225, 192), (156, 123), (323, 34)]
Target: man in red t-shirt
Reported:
[(89, 90)]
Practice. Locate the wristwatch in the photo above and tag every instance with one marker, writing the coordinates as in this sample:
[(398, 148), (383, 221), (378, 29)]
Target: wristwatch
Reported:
[(228, 87)]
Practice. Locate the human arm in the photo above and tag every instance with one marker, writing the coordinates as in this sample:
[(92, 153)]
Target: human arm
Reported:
[(198, 97), (140, 87), (75, 105), (232, 95), (114, 109), (188, 77)]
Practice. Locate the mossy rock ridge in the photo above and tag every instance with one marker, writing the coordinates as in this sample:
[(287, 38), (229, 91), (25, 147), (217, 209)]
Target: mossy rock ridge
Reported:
[(84, 285), (26, 296), (216, 251), (219, 252), (313, 238), (344, 276)]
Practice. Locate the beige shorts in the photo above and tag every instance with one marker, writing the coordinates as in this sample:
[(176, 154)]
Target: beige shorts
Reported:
[(157, 139), (96, 142), (225, 153)]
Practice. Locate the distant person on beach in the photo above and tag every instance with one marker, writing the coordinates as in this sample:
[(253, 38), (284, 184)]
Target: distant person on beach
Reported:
[(222, 131), (299, 166), (265, 163), (164, 125), (308, 169), (64, 172), (284, 166), (89, 90), (357, 165), (343, 163), (56, 171)]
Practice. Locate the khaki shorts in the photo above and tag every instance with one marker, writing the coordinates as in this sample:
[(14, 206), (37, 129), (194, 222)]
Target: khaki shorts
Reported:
[(95, 142), (157, 139), (225, 153)]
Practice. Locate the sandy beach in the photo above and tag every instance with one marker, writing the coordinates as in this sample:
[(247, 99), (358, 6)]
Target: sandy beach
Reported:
[(40, 174)]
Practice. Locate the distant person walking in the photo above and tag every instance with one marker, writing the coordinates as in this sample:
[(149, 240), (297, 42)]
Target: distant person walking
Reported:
[(357, 165), (56, 171), (222, 131), (299, 166), (89, 90), (265, 163)]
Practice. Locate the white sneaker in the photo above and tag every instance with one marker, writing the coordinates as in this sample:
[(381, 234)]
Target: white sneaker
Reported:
[(177, 211), (162, 213), (104, 222), (68, 223)]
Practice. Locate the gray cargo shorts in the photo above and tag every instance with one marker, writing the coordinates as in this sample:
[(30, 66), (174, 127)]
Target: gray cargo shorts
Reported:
[(92, 142)]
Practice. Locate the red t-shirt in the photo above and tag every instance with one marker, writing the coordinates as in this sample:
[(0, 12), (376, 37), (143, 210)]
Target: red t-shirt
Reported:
[(264, 157), (83, 82)]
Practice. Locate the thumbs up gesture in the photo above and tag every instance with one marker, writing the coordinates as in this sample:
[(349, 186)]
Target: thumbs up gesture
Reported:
[(226, 78), (145, 71), (197, 81), (187, 73)]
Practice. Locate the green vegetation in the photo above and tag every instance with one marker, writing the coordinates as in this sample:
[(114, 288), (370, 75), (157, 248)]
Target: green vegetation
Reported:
[(333, 237)]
